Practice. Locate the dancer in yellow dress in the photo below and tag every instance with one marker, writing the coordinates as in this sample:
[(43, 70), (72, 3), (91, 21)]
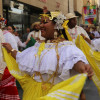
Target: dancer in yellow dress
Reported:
[(44, 70)]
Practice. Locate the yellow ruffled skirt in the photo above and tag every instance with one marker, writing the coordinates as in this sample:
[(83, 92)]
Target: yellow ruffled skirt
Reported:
[(67, 90)]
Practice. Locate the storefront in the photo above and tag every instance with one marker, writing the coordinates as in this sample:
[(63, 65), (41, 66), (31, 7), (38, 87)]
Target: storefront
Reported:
[(20, 15)]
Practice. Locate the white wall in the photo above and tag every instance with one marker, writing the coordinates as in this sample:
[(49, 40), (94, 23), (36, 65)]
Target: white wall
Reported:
[(71, 6)]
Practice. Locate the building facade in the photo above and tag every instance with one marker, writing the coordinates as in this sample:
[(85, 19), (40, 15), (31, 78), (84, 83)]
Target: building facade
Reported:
[(22, 13), (52, 5), (91, 2), (1, 13), (32, 8)]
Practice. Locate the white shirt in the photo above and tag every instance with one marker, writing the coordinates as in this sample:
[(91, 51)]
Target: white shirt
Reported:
[(2, 63), (36, 35), (46, 64), (74, 32), (9, 38)]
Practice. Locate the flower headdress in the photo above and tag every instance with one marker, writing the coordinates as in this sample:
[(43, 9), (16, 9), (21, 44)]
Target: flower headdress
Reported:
[(59, 18), (59, 21)]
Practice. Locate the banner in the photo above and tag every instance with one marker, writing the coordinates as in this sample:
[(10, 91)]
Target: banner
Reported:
[(89, 14)]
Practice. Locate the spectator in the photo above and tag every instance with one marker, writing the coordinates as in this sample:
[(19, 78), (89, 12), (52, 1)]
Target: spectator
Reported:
[(95, 32), (91, 35), (94, 43), (11, 29), (36, 33), (24, 37)]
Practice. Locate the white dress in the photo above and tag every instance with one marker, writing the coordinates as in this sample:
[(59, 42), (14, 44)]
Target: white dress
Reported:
[(69, 54), (2, 63), (9, 38)]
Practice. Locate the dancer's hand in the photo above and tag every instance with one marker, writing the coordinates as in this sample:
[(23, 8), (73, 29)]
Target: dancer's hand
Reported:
[(84, 68), (7, 46), (83, 35)]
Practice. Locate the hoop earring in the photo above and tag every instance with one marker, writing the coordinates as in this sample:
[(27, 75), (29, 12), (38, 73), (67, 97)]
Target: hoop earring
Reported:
[(55, 34)]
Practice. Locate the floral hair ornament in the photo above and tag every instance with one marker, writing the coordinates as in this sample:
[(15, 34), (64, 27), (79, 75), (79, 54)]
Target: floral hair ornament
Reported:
[(50, 16), (59, 21)]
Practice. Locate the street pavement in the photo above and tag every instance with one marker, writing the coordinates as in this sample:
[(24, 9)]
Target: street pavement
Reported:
[(89, 89)]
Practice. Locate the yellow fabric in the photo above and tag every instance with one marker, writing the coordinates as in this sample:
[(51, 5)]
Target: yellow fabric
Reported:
[(93, 58), (66, 30), (68, 89), (54, 14), (41, 48), (44, 15)]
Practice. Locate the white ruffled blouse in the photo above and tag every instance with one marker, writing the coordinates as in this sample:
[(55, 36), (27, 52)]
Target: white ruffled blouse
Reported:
[(2, 63), (69, 54)]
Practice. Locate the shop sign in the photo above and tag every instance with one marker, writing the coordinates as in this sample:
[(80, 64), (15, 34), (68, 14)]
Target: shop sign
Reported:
[(44, 1)]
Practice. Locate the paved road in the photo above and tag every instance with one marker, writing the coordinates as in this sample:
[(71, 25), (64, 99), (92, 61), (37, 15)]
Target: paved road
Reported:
[(89, 89)]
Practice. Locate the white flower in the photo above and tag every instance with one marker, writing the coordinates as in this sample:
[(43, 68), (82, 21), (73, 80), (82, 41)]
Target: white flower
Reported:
[(59, 21)]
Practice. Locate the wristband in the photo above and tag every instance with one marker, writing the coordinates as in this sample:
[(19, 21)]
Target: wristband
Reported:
[(13, 50)]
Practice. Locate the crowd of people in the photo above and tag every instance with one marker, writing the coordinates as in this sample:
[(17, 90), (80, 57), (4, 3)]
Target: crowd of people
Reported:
[(51, 60)]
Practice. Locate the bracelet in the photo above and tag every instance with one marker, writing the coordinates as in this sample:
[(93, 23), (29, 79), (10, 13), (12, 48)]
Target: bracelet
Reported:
[(13, 50)]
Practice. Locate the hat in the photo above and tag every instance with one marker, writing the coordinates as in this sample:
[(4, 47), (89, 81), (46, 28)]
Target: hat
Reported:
[(70, 15), (35, 23)]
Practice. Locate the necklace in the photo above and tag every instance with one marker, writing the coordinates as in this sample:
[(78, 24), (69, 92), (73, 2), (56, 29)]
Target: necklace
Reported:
[(46, 85), (73, 34), (57, 40)]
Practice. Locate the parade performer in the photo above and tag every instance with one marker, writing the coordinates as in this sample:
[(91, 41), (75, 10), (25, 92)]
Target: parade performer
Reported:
[(8, 89), (11, 29), (73, 29), (44, 70), (91, 53), (36, 33), (95, 43)]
